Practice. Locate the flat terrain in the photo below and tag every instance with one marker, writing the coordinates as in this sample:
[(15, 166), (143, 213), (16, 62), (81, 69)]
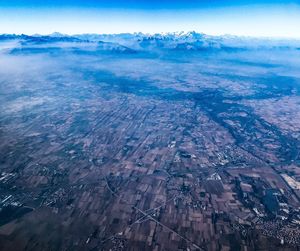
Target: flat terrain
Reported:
[(110, 147)]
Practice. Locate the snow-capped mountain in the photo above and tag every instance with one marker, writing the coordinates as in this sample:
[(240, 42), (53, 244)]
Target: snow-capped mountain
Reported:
[(140, 42), (189, 40)]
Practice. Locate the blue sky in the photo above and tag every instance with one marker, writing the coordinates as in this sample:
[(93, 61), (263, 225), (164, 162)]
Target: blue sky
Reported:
[(137, 4), (268, 18)]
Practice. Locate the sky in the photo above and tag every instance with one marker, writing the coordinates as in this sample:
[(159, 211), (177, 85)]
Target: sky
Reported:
[(259, 18)]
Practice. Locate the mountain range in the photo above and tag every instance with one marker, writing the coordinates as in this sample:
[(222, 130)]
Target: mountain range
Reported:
[(140, 42)]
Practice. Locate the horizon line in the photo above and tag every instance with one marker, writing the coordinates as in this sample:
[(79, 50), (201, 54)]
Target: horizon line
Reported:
[(155, 33)]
